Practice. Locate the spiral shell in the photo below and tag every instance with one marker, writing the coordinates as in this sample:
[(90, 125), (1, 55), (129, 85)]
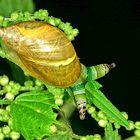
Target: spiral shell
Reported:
[(43, 51)]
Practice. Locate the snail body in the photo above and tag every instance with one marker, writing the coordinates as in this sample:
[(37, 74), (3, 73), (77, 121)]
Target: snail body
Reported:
[(44, 52)]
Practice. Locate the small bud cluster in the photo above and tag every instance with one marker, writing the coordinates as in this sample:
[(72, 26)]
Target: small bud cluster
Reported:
[(59, 98), (41, 15), (100, 117), (6, 131), (58, 94), (103, 120)]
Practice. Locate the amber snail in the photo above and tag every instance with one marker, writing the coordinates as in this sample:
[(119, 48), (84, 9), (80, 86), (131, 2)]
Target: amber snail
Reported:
[(44, 52)]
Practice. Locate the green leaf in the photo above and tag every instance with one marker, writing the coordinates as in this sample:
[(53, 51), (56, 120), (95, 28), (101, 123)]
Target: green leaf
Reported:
[(9, 6), (100, 101), (32, 114), (96, 85)]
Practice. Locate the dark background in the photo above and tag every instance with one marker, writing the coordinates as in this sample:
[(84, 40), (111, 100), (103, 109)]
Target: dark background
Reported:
[(109, 32)]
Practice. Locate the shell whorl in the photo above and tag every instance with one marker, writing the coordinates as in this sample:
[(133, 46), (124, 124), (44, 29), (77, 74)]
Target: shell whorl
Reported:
[(44, 52)]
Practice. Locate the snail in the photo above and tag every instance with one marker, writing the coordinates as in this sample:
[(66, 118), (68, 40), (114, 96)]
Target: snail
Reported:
[(44, 52)]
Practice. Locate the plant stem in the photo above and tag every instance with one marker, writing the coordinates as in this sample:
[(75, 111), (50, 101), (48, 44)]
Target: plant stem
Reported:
[(63, 122), (5, 102), (68, 108)]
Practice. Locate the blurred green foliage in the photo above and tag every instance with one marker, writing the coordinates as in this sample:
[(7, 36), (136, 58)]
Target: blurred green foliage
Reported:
[(9, 6)]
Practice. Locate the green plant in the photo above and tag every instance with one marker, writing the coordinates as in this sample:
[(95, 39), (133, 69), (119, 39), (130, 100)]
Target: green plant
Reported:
[(34, 112)]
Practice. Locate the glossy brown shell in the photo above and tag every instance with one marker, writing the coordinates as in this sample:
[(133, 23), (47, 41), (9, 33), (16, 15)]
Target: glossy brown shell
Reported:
[(43, 51)]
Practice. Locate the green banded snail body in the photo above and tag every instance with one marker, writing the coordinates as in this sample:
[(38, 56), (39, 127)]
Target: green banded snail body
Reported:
[(44, 52)]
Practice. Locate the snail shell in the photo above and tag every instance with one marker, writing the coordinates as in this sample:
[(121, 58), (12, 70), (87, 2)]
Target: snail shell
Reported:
[(43, 51)]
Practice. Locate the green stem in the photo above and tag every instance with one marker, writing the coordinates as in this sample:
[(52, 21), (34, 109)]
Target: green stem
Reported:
[(68, 129), (109, 132), (5, 102), (75, 136), (64, 123), (68, 108)]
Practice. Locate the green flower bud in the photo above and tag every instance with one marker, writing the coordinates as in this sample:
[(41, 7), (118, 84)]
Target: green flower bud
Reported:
[(41, 14), (75, 32), (116, 125), (38, 83), (51, 21), (97, 137), (102, 123), (57, 21), (9, 96), (70, 37), (6, 130), (68, 32), (62, 26), (15, 88), (94, 115), (5, 117), (131, 125), (125, 115), (27, 17), (44, 13), (67, 26), (59, 102), (101, 115), (7, 88), (14, 135), (83, 138), (28, 84), (53, 128), (89, 137), (15, 16), (20, 14), (4, 80), (11, 83), (1, 136), (91, 109), (137, 124)]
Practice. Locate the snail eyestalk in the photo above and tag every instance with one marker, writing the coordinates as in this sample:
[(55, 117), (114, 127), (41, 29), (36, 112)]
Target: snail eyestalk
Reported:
[(98, 71), (112, 65)]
